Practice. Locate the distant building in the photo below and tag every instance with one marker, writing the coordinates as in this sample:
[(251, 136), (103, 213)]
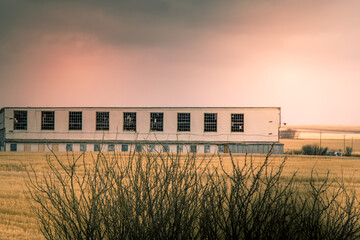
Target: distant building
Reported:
[(175, 129)]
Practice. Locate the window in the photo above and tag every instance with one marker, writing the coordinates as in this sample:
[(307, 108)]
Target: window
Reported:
[(210, 122), (237, 122), (75, 120), (111, 148), (47, 120), (206, 148), (20, 120), (124, 148), (129, 121), (183, 122), (221, 148), (193, 148), (13, 147), (83, 147), (97, 147), (166, 148), (102, 120), (157, 122), (179, 148), (69, 147), (138, 148), (152, 148)]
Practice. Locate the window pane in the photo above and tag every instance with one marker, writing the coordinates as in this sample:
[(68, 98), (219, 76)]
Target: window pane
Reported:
[(102, 120), (221, 148), (129, 121), (179, 148), (69, 147), (237, 122), (124, 148), (20, 120), (206, 148), (47, 120), (83, 147), (193, 148), (138, 148), (13, 147), (156, 121), (75, 120), (166, 148), (183, 122), (210, 122), (97, 147), (111, 148)]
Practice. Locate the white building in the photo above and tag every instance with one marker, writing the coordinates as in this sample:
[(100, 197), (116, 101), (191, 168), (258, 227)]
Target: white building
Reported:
[(194, 129)]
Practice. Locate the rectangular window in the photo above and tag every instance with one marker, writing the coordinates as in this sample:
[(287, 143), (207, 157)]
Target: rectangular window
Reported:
[(83, 147), (47, 120), (237, 122), (210, 122), (193, 148), (20, 120), (166, 148), (124, 148), (75, 120), (102, 120), (157, 122), (69, 147), (152, 148), (111, 148), (221, 148), (129, 121), (206, 148), (179, 148), (183, 122), (138, 148), (13, 147), (97, 147)]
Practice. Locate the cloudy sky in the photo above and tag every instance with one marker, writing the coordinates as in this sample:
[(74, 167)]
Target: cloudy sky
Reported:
[(300, 55)]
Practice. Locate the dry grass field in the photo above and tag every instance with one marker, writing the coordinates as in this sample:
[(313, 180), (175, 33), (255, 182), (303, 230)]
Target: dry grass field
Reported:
[(17, 221), (332, 144), (334, 137)]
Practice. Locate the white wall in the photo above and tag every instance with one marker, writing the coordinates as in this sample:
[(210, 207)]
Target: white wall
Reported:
[(260, 125)]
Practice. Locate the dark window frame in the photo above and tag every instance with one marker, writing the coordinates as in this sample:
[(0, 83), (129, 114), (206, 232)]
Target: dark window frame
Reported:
[(47, 120), (179, 148), (13, 147), (75, 120), (210, 122), (129, 123), (102, 121), (20, 119), (124, 147), (183, 122), (83, 147), (193, 148), (69, 147), (237, 122), (207, 148), (138, 148), (97, 148), (111, 148), (157, 122)]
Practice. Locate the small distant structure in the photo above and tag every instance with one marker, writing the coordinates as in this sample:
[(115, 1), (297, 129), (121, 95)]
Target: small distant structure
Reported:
[(288, 133), (163, 129)]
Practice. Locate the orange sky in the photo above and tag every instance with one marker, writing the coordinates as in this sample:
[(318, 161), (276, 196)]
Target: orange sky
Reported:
[(303, 56)]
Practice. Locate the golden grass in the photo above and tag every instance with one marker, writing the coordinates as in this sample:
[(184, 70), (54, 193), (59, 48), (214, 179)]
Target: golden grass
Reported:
[(17, 221), (332, 144)]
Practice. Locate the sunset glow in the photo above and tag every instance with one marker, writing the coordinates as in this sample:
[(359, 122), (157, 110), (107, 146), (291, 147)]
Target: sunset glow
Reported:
[(302, 56)]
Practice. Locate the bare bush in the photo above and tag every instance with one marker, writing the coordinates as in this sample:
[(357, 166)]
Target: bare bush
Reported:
[(173, 196)]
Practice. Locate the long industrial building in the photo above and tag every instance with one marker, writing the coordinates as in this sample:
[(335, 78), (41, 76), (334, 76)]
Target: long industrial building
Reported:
[(175, 129)]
